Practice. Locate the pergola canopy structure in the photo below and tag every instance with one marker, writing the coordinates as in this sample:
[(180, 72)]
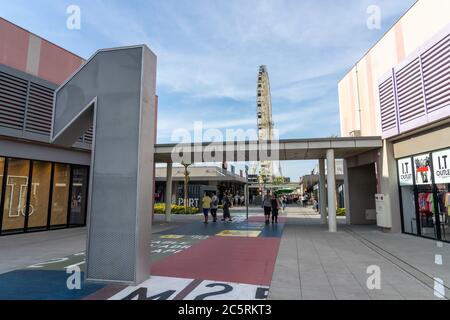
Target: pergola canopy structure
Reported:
[(291, 149)]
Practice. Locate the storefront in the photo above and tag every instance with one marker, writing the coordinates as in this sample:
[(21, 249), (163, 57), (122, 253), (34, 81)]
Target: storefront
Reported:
[(424, 185), (38, 195)]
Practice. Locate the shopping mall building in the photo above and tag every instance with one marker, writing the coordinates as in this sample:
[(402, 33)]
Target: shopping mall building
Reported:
[(44, 187), (400, 90)]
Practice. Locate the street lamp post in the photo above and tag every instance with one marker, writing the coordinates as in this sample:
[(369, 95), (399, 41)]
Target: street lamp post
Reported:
[(246, 190), (186, 181)]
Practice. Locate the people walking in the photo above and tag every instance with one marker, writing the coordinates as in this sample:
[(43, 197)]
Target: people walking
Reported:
[(267, 205), (214, 206), (226, 202), (315, 204), (283, 202), (305, 200), (275, 202), (206, 205)]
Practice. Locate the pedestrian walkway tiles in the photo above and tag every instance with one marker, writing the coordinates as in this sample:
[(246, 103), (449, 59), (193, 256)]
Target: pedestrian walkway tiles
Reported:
[(222, 260)]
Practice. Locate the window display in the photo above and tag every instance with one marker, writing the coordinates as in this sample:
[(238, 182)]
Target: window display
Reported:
[(60, 198), (79, 196), (14, 206), (40, 190), (427, 213), (36, 195), (443, 197), (425, 194)]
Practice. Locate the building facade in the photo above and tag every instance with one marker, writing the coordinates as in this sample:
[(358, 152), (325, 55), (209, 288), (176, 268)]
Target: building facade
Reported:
[(42, 187), (400, 90), (201, 179)]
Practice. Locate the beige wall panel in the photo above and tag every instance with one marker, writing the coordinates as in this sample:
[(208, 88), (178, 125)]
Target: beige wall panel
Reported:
[(424, 21), (403, 39), (434, 140)]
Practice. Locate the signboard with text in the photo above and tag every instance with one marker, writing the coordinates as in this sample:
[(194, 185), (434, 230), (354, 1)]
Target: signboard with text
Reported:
[(405, 172), (441, 166)]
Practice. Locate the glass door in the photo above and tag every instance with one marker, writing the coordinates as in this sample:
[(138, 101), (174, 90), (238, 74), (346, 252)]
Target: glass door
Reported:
[(78, 196), (443, 198), (427, 214), (425, 200), (16, 191)]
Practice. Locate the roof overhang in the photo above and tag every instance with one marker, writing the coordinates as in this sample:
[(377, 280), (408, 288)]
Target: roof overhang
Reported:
[(244, 151)]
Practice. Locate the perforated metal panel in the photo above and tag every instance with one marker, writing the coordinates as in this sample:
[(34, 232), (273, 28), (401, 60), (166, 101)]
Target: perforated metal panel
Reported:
[(436, 75), (13, 98)]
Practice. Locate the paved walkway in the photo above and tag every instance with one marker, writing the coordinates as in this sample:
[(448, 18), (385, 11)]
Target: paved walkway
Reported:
[(296, 259), (315, 264), (189, 260)]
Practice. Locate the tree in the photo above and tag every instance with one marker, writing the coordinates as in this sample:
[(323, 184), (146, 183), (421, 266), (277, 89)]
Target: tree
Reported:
[(278, 180)]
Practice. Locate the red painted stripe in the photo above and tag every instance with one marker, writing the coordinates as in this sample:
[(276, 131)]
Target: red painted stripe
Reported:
[(183, 294)]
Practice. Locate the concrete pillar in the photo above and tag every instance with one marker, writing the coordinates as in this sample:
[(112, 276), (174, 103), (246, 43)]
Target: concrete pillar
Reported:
[(168, 197), (322, 191), (348, 212), (331, 182), (388, 183)]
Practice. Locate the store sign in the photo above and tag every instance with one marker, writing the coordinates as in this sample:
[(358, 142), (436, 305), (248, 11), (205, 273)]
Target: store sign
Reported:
[(405, 173), (441, 166), (422, 169)]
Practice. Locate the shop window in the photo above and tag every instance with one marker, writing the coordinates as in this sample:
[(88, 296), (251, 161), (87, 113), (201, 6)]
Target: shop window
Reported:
[(15, 195), (39, 195), (443, 196), (441, 172), (78, 196), (60, 196), (425, 197), (406, 180), (2, 168), (425, 194)]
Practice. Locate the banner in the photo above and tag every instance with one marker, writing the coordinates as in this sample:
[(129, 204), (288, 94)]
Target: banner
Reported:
[(441, 166), (422, 169), (405, 172)]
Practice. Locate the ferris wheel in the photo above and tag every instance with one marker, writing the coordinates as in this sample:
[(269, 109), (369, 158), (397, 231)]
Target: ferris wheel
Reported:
[(264, 119)]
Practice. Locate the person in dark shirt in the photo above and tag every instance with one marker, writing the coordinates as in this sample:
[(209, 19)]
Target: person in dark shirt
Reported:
[(275, 202), (267, 205), (226, 202)]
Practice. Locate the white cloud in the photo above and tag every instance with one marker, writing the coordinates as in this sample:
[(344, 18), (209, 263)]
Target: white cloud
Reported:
[(209, 52)]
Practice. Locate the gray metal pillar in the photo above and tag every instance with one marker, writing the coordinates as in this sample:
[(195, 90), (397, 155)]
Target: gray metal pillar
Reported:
[(168, 197), (322, 191), (331, 182)]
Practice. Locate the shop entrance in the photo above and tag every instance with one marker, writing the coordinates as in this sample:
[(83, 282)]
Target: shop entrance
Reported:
[(425, 195)]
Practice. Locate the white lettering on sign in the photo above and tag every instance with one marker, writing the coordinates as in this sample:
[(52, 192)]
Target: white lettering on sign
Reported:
[(405, 174), (441, 166)]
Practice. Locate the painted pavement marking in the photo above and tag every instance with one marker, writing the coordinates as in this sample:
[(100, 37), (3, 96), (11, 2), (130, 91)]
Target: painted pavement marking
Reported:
[(168, 288), (239, 233)]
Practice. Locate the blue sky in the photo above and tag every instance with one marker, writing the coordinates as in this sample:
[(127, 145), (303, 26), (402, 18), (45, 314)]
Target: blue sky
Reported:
[(209, 52)]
